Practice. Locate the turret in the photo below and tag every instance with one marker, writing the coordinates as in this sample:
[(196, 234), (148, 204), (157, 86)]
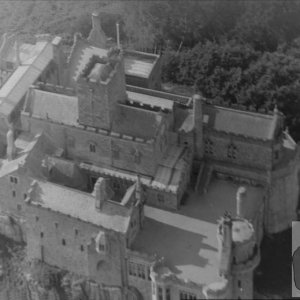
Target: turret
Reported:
[(198, 125)]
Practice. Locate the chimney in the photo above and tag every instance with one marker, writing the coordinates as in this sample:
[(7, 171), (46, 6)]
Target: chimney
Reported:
[(95, 20), (198, 125), (100, 192), (241, 199), (10, 139), (118, 35), (97, 37)]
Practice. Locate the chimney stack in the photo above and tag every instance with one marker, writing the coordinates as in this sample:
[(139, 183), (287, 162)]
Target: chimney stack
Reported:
[(198, 125), (118, 35), (241, 199), (100, 192), (11, 147)]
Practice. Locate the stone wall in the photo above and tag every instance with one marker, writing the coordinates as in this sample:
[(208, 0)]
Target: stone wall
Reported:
[(76, 143), (65, 242), (249, 153)]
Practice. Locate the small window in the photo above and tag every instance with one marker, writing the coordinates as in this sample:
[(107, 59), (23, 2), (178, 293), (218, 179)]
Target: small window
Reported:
[(37, 218), (276, 154), (208, 147), (24, 196), (56, 225), (42, 235), (239, 284), (19, 206), (168, 294), (71, 141), (231, 151), (76, 232), (160, 293), (82, 248), (14, 193), (63, 241), (92, 147), (13, 179), (148, 273)]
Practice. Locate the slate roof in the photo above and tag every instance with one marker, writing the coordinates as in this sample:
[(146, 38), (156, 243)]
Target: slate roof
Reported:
[(245, 123), (81, 205), (25, 75), (137, 122), (56, 107)]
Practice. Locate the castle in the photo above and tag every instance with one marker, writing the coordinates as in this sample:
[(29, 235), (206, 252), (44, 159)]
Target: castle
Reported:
[(146, 194)]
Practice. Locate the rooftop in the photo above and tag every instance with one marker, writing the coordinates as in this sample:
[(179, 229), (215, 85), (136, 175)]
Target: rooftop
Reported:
[(139, 64), (34, 60), (81, 205), (191, 232), (240, 122)]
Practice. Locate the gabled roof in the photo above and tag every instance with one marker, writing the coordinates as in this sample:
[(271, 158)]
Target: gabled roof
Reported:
[(56, 107), (80, 205), (24, 76), (254, 125)]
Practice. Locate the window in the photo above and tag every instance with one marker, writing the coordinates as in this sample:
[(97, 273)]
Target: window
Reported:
[(37, 218), (168, 294), (19, 207), (132, 269), (101, 247), (148, 273), (276, 154), (160, 293), (239, 284), (24, 196), (42, 235), (14, 193), (141, 271), (13, 179), (82, 248), (92, 147), (187, 296), (208, 147), (56, 225), (231, 151), (76, 232), (63, 241)]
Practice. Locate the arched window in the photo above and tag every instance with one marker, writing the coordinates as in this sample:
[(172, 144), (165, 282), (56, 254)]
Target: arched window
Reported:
[(231, 151)]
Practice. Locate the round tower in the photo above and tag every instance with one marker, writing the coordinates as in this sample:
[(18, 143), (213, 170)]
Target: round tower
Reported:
[(245, 258)]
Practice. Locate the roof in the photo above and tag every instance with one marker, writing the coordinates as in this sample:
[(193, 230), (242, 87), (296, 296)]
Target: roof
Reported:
[(56, 107), (191, 232), (34, 62), (152, 101), (169, 172), (137, 122), (139, 64), (245, 123), (81, 205)]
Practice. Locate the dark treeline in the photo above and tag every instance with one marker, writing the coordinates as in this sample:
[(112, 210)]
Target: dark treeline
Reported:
[(241, 51)]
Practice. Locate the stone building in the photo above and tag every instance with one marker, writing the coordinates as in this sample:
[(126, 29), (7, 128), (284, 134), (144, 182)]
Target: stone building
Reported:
[(123, 185)]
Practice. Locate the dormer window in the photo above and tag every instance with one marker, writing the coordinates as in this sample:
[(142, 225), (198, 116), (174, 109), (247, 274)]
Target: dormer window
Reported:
[(231, 151), (209, 147), (92, 147)]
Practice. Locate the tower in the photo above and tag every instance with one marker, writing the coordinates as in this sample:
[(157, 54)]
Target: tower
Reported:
[(198, 125), (99, 88)]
